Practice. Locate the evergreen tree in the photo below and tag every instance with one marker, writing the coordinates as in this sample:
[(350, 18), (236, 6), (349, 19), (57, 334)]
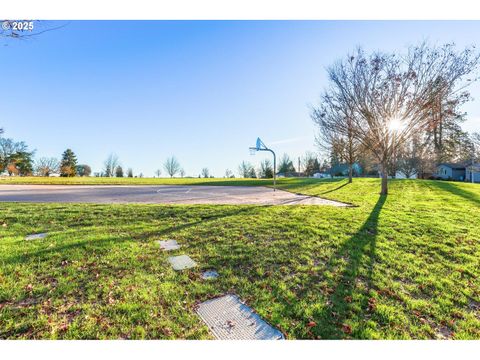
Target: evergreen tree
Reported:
[(68, 165), (118, 171), (286, 165)]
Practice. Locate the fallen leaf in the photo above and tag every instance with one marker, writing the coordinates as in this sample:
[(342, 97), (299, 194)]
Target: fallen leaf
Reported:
[(347, 329), (311, 324)]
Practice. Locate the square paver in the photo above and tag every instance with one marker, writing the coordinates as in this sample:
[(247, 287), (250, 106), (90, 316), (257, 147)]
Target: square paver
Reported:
[(36, 236), (209, 274), (181, 262), (168, 245), (230, 319)]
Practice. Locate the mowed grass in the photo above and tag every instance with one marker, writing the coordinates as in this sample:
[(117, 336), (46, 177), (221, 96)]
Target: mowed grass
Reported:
[(38, 180), (404, 266)]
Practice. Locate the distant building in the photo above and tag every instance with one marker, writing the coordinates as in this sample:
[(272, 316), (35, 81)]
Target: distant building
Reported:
[(319, 175), (290, 174), (473, 171), (451, 171)]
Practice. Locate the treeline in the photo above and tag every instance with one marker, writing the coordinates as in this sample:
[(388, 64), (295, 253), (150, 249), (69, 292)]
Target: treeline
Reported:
[(399, 110), (307, 165)]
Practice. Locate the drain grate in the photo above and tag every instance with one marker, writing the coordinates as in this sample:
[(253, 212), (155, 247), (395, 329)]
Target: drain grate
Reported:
[(229, 319)]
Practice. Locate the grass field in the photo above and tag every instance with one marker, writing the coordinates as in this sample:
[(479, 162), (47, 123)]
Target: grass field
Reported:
[(134, 181), (397, 267)]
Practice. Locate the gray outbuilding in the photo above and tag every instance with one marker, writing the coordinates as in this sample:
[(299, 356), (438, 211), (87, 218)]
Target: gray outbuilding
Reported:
[(451, 171)]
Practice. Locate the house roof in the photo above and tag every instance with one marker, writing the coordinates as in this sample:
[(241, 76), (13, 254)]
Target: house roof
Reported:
[(455, 166)]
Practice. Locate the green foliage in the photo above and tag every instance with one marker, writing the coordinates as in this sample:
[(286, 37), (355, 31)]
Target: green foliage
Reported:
[(246, 170), (400, 266), (266, 169), (310, 164), (68, 164), (84, 170), (15, 157), (285, 165), (119, 172)]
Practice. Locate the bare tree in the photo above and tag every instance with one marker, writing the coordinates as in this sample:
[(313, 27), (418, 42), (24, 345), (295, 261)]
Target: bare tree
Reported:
[(110, 165), (386, 98), (8, 149), (182, 172), (475, 139), (342, 142), (46, 166), (158, 172), (205, 172), (25, 29), (171, 166)]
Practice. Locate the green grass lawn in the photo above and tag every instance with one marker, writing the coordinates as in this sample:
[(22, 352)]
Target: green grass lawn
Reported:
[(19, 180), (397, 267)]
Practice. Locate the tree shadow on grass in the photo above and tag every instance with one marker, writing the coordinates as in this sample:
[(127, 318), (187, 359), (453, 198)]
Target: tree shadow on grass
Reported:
[(352, 263), (335, 189), (353, 251), (312, 184), (361, 244), (456, 190)]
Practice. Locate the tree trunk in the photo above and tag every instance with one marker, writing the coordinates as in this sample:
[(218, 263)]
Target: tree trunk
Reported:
[(350, 172), (384, 190)]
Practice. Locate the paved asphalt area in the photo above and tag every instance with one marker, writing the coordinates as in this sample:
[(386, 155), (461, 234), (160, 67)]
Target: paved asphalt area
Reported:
[(160, 194)]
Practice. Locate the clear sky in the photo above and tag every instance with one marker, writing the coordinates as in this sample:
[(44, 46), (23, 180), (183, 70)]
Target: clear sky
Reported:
[(200, 90)]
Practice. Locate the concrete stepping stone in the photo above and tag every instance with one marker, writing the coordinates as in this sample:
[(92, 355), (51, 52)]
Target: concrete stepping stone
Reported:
[(229, 319), (181, 262), (168, 245), (209, 274), (36, 236)]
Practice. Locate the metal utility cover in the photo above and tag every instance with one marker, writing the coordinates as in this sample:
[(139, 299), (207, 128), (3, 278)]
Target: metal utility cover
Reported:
[(181, 262), (229, 319), (210, 274), (168, 245), (36, 236)]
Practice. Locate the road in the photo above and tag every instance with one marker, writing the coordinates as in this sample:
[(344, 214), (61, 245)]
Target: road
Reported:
[(160, 194)]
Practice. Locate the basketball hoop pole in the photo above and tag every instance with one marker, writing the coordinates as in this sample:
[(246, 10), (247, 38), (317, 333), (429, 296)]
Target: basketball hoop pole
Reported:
[(264, 148)]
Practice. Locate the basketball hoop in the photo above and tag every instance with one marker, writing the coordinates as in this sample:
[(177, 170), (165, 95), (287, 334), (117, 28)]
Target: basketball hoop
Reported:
[(260, 146)]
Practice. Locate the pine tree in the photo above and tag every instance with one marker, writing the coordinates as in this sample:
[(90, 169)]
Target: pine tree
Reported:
[(68, 165), (119, 171)]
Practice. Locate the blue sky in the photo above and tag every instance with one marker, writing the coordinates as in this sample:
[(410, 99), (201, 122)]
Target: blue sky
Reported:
[(200, 90)]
